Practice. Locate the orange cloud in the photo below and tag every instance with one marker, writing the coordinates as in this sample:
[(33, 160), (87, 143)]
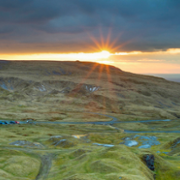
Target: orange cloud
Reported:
[(149, 60)]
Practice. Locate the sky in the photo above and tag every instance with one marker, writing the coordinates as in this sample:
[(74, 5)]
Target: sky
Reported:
[(140, 36)]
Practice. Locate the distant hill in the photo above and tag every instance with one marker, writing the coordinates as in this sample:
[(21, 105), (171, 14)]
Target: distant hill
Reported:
[(30, 88), (170, 77)]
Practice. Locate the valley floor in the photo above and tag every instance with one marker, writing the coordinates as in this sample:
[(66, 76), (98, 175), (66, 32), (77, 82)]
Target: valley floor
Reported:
[(89, 151)]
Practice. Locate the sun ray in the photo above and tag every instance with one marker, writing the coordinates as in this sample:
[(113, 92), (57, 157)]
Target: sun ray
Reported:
[(102, 38), (108, 73), (113, 43), (100, 73), (89, 73), (121, 45), (83, 81), (108, 39), (95, 41), (110, 85)]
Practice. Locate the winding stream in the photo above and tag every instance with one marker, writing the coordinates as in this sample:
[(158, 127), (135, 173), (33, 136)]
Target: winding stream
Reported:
[(113, 121)]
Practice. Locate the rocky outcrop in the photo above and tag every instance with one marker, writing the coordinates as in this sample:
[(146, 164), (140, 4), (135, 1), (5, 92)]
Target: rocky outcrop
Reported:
[(61, 141), (45, 87), (149, 160), (27, 144)]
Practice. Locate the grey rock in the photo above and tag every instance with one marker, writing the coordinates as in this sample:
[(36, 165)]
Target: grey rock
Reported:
[(54, 137), (57, 143), (27, 144), (149, 160)]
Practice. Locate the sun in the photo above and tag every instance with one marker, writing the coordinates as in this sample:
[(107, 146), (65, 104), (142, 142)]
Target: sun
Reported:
[(105, 54), (101, 55)]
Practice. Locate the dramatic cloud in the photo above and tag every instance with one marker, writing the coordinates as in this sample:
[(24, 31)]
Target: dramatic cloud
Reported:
[(72, 25)]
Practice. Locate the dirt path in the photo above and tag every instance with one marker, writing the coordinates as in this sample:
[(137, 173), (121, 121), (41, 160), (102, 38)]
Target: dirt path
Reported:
[(46, 162)]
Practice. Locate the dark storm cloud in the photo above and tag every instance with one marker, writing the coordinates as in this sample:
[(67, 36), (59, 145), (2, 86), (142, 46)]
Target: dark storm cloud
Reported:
[(144, 25)]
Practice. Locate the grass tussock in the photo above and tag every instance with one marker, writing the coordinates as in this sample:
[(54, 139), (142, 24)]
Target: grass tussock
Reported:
[(16, 164)]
